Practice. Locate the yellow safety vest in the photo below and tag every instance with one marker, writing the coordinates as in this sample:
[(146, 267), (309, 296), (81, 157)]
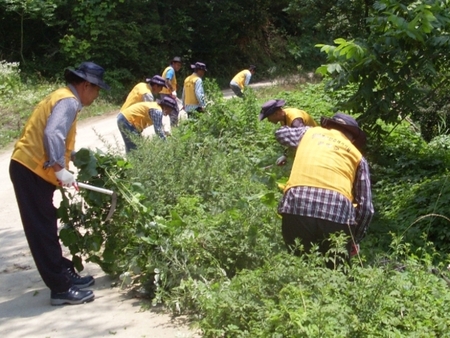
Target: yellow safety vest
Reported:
[(136, 95), (189, 90), (138, 114), (239, 78), (173, 82), (29, 150), (326, 159), (294, 113)]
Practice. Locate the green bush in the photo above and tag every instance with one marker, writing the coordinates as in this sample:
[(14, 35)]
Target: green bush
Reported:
[(196, 228)]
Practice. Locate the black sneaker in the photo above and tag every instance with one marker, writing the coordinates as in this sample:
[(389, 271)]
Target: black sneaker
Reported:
[(73, 296), (78, 281)]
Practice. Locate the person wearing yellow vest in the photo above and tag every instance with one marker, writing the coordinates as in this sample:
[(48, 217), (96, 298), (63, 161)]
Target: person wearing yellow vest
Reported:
[(292, 117), (145, 91), (39, 163), (193, 97), (137, 117), (329, 188), (170, 77), (241, 80), (171, 86)]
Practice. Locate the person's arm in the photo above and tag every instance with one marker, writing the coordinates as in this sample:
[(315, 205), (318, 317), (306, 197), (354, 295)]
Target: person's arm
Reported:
[(148, 97), (298, 123), (290, 137), (157, 115), (200, 93), (182, 98), (363, 198), (56, 130), (248, 76)]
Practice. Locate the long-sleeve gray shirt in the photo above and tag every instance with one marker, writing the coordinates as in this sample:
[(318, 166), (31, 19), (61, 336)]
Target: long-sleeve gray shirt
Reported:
[(59, 122)]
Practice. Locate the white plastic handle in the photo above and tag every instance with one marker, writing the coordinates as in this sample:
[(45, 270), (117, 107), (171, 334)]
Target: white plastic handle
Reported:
[(94, 188)]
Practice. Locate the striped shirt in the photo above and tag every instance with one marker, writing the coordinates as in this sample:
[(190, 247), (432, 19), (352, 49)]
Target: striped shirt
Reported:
[(328, 204)]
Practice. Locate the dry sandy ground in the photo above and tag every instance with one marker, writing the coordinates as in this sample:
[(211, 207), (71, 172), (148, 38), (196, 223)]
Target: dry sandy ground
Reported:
[(25, 309)]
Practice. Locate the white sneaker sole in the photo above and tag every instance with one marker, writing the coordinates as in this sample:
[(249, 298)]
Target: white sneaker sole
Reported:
[(56, 301)]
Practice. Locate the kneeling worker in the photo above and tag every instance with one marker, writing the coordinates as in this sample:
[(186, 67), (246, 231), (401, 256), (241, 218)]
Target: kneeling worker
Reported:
[(145, 91), (329, 189), (291, 117), (134, 119)]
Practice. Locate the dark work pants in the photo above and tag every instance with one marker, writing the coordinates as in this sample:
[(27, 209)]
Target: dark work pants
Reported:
[(237, 90), (126, 130), (35, 200), (310, 231)]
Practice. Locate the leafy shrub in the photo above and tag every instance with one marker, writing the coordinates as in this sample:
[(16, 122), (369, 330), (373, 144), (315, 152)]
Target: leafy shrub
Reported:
[(298, 297), (10, 82), (196, 228)]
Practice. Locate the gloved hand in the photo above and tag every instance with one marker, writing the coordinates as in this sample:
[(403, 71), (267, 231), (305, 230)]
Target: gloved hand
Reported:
[(281, 160), (65, 178)]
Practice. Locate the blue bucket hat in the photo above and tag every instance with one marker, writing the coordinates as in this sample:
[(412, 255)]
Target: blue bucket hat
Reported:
[(168, 101), (157, 80), (341, 121), (199, 65), (270, 107), (90, 72)]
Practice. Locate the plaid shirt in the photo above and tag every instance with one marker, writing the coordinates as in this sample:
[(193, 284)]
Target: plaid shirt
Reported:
[(157, 115), (328, 204)]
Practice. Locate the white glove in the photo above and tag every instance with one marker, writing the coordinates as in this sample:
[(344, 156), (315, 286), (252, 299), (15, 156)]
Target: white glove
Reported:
[(65, 178), (281, 160)]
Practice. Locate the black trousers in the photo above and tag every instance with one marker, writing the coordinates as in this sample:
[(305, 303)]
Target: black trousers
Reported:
[(310, 231), (35, 200)]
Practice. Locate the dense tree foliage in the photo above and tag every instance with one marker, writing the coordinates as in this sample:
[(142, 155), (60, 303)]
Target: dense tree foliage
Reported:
[(394, 52), (401, 68), (135, 38)]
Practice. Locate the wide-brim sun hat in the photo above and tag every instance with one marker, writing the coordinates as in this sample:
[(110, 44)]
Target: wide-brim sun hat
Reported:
[(270, 107), (157, 80), (168, 101), (199, 65), (345, 122), (91, 72)]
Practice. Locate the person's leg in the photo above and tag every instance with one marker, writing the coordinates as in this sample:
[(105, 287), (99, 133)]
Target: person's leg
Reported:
[(236, 90), (126, 129), (326, 228), (311, 231), (295, 227), (35, 200)]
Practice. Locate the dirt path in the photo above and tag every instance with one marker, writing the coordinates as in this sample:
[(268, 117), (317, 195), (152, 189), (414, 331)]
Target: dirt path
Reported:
[(24, 298)]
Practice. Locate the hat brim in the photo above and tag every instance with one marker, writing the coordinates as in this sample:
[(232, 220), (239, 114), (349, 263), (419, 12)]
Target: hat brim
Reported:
[(162, 103), (268, 112), (360, 137), (89, 78), (159, 84), (198, 68)]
